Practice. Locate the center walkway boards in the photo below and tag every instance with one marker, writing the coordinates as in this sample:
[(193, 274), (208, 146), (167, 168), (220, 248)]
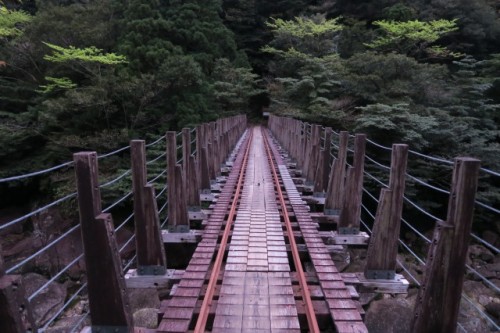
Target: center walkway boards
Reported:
[(256, 293)]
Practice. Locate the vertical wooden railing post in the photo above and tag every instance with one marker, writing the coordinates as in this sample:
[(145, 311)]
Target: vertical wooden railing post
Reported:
[(383, 247), (199, 145), (151, 258), (323, 165), (108, 299), (438, 300), (334, 200), (15, 310), (314, 154), (190, 177), (177, 208), (349, 219)]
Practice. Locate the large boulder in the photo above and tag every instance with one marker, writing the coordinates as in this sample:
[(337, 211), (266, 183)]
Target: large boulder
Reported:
[(48, 301), (147, 318), (141, 298), (391, 315)]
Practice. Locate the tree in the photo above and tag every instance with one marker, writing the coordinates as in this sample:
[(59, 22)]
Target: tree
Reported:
[(414, 38)]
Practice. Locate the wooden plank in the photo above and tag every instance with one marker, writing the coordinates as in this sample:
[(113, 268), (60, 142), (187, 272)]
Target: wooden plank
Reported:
[(179, 203), (351, 211), (108, 299), (438, 301)]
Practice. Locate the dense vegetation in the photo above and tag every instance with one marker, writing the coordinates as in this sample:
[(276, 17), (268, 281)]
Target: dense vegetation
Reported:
[(92, 74)]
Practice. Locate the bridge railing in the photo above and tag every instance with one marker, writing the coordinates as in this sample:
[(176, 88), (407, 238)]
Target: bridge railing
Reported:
[(307, 142), (137, 188)]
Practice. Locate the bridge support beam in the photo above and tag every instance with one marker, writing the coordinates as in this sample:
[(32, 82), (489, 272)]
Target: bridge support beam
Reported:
[(108, 298), (438, 300)]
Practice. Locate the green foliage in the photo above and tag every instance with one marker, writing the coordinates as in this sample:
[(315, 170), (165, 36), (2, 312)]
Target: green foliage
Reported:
[(400, 12), (87, 54), (57, 83), (411, 36), (313, 36), (233, 87), (404, 124), (10, 21), (304, 27)]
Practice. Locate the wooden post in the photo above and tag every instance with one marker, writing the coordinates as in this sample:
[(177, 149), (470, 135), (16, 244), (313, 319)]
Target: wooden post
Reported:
[(323, 165), (171, 188), (383, 248), (335, 191), (199, 145), (315, 148), (327, 160), (438, 299), (108, 299), (351, 211), (205, 170), (151, 258), (186, 153), (179, 205)]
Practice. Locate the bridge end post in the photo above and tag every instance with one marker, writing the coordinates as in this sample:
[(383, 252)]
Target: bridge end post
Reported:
[(108, 298), (438, 301)]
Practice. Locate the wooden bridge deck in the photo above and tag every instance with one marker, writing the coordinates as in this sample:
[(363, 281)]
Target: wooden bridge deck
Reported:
[(256, 292)]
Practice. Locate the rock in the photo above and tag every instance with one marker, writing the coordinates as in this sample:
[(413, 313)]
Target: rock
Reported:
[(493, 309), (491, 237), (147, 318), (69, 324), (141, 298), (366, 298), (470, 320), (479, 252), (46, 303), (389, 316)]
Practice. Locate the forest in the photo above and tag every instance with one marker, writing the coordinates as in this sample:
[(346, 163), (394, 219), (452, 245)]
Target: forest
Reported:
[(91, 75)]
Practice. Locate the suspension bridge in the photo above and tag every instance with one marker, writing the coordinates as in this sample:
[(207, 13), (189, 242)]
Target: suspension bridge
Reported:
[(242, 226)]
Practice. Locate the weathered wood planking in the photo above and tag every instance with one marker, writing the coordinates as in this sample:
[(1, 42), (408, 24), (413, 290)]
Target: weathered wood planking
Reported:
[(343, 311), (179, 310)]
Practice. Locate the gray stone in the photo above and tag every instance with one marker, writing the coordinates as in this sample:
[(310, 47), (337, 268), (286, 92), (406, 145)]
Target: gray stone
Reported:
[(141, 298), (67, 324), (146, 317), (47, 302), (391, 315), (493, 309)]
